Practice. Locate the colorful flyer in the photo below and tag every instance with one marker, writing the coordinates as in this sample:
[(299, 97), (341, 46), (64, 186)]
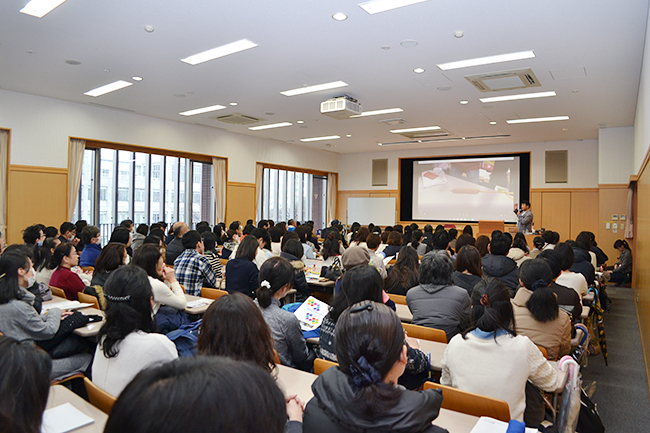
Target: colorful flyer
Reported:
[(311, 313)]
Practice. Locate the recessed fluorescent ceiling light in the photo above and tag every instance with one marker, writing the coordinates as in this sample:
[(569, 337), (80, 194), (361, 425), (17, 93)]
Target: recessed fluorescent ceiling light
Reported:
[(376, 6), (424, 128), (202, 110), (224, 50), (487, 60), (40, 8), (316, 88), (329, 137), (378, 112), (538, 119), (516, 97), (117, 85), (273, 125)]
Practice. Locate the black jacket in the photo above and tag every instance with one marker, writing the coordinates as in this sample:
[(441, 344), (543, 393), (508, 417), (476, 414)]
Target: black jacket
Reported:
[(299, 280), (242, 276), (582, 264), (391, 250), (334, 409), (174, 249), (466, 281), (503, 269)]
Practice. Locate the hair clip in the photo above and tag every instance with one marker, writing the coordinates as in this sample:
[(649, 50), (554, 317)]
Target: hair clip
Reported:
[(360, 308), (265, 284), (485, 301), (2, 276), (117, 298)]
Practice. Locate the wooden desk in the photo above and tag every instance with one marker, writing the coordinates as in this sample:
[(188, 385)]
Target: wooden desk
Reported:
[(293, 381), (60, 394), (197, 310), (403, 313), (436, 349)]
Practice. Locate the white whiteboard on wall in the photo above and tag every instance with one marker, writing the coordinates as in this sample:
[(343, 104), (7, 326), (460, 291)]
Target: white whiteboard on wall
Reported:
[(378, 210)]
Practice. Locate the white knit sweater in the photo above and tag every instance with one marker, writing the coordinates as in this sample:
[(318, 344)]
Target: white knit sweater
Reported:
[(497, 369)]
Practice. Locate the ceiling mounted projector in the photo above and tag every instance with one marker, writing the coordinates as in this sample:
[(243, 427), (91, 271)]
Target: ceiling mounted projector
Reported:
[(341, 107)]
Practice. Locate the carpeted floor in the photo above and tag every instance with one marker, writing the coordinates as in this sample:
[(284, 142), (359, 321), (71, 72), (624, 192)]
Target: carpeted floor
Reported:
[(622, 387)]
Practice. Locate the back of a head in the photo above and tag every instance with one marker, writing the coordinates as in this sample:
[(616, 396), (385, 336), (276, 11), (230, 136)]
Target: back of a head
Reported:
[(248, 229), (331, 244), (463, 240), (394, 238), (495, 233), (369, 340), (209, 240), (63, 250), (262, 223), (362, 234), (120, 234), (287, 237), (159, 233), (275, 273), (499, 245), (416, 237), (24, 385), (302, 232), (203, 226), (583, 241), (553, 261), (51, 232), (128, 307), (10, 262), (408, 258), (373, 240), (355, 256), (66, 227), (293, 247), (276, 234), (398, 228), (111, 257), (468, 230), (190, 239), (32, 234), (549, 236), (234, 225), (223, 393), (536, 275), (428, 228), (491, 307), (361, 283), (469, 259), (453, 233), (481, 244), (126, 224), (233, 326), (538, 242), (508, 236), (436, 267), (147, 257), (440, 240), (247, 248), (520, 242), (565, 254)]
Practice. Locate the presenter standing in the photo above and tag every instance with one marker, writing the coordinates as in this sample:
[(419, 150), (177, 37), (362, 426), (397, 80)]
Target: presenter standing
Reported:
[(524, 217)]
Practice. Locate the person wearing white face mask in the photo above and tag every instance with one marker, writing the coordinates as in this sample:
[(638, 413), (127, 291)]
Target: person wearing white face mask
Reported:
[(92, 240), (69, 233)]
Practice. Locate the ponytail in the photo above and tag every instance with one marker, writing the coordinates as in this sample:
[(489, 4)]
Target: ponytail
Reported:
[(275, 273)]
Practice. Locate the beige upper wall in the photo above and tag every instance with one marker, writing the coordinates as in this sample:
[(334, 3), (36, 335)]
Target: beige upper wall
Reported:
[(641, 124), (40, 128), (355, 170), (616, 155)]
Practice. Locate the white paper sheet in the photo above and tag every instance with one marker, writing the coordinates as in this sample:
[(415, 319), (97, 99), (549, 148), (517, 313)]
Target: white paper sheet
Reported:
[(63, 419)]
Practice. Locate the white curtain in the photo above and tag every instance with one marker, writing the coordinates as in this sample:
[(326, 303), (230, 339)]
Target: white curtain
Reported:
[(259, 176), (629, 227), (332, 187), (220, 184), (4, 166), (75, 164)]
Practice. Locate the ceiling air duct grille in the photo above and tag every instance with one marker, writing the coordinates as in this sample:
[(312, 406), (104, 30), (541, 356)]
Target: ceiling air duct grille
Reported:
[(237, 119), (504, 80)]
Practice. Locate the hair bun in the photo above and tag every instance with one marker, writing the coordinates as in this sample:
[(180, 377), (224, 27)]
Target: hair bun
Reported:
[(539, 283)]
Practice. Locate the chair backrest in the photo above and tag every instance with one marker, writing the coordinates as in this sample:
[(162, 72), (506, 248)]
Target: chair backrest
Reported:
[(98, 397), (183, 288), (88, 299), (470, 403), (90, 269), (224, 262), (398, 299), (276, 357), (212, 293), (425, 333), (320, 365), (543, 350), (58, 292)]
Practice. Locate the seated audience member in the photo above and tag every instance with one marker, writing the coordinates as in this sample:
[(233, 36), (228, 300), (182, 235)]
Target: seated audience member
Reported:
[(233, 326), (248, 229), (51, 232), (468, 230), (264, 251), (427, 236), (112, 257), (487, 357), (241, 272), (481, 245), (359, 239), (168, 298), (68, 233), (570, 279), (537, 313), (175, 247), (20, 320), (292, 249), (203, 226), (361, 393), (372, 243), (332, 246), (33, 236), (210, 245), (312, 238), (92, 246), (276, 239), (551, 239), (223, 393), (303, 234), (127, 342), (582, 261), (218, 232), (624, 265), (79, 226), (538, 243), (453, 234), (567, 298), (403, 275), (44, 266), (417, 244), (497, 265), (601, 257), (275, 278), (23, 411), (138, 237), (65, 257), (469, 268), (519, 249), (230, 244), (192, 268), (237, 228), (436, 302), (463, 240), (354, 228), (394, 244)]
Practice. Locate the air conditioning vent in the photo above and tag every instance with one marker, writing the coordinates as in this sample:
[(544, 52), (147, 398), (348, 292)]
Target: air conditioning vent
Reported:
[(419, 135), (237, 119), (504, 80)]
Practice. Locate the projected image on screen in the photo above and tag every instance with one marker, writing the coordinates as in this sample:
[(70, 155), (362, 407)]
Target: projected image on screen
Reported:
[(466, 189)]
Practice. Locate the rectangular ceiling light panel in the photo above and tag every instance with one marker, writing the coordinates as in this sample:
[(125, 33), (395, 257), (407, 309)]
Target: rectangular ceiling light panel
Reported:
[(424, 128), (487, 60), (108, 88), (518, 97), (538, 119), (316, 88), (378, 112), (377, 6), (329, 137), (224, 50), (40, 8), (202, 110), (273, 125)]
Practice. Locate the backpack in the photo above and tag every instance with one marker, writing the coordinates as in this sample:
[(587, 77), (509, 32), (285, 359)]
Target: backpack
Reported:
[(185, 338)]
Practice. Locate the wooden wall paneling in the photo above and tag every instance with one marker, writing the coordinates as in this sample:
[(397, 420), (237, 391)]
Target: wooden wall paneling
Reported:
[(641, 258), (240, 202), (556, 213), (536, 207), (612, 200), (584, 212), (35, 195)]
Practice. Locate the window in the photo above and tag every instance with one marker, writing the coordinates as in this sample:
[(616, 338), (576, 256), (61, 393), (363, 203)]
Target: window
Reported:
[(294, 195), (143, 187)]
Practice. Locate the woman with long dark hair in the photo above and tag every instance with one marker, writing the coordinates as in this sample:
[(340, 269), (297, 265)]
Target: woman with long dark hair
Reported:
[(469, 268), (112, 257), (624, 265), (242, 272), (403, 275)]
